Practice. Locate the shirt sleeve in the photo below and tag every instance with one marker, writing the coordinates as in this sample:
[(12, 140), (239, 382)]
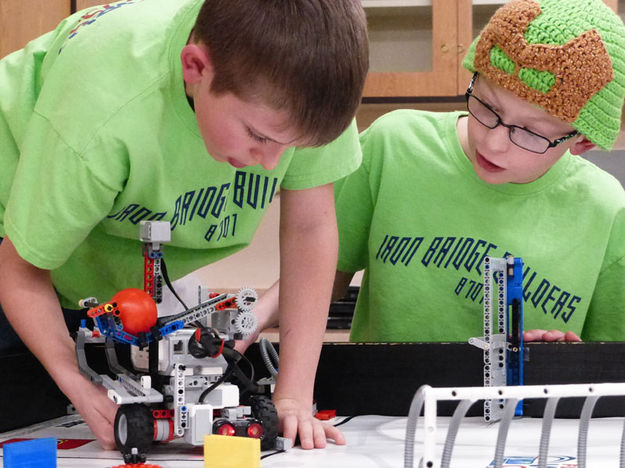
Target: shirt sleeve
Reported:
[(57, 197), (354, 210), (313, 167)]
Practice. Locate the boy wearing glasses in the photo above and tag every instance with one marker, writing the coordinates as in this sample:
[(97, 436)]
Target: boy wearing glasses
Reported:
[(437, 192)]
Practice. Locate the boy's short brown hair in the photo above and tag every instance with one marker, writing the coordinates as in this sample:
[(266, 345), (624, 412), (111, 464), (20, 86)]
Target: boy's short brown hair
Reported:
[(308, 57)]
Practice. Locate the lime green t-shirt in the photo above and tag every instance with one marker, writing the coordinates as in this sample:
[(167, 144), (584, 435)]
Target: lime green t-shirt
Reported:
[(97, 135), (417, 218)]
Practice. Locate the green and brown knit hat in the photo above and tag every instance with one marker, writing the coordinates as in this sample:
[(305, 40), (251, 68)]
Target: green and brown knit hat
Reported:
[(565, 56)]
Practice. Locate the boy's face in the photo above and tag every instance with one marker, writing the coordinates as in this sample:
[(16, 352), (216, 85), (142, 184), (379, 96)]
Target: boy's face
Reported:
[(238, 132), (495, 159)]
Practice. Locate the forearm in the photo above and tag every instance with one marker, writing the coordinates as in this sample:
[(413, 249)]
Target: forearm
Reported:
[(308, 263), (30, 303)]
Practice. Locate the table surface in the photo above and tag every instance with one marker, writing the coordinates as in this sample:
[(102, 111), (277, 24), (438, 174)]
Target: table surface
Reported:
[(372, 441)]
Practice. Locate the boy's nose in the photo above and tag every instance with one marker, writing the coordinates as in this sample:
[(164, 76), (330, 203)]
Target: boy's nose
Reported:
[(269, 155), (498, 138)]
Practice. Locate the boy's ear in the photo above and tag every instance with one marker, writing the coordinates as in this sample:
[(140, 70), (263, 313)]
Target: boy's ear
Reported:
[(581, 146), (195, 62)]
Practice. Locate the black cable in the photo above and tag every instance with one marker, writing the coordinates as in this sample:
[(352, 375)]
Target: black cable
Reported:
[(168, 283), (272, 453), (219, 381), (347, 419), (249, 363)]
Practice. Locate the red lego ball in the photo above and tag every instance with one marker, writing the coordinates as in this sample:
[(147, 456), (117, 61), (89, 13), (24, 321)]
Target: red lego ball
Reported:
[(137, 310)]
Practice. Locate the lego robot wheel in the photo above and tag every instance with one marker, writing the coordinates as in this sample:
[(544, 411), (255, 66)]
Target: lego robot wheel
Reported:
[(264, 410), (246, 299), (134, 429)]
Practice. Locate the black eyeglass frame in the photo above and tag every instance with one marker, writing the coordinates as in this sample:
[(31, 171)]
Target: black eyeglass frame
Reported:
[(550, 144)]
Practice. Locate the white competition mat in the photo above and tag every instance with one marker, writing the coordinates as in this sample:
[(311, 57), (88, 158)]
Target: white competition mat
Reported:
[(372, 441)]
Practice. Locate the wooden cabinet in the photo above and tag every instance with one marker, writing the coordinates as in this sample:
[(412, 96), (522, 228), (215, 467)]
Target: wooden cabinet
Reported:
[(417, 46), (82, 4), (23, 20)]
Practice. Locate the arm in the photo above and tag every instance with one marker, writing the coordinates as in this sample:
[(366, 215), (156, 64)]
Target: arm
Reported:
[(308, 252), (266, 309), (31, 305)]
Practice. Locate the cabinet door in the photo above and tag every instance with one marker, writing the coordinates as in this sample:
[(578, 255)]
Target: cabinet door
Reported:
[(412, 48), (82, 4), (23, 20)]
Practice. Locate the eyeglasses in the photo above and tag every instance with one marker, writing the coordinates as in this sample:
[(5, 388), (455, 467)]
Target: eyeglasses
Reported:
[(520, 136)]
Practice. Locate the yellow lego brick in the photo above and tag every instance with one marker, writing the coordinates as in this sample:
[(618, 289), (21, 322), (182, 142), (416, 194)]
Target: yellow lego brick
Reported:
[(231, 452)]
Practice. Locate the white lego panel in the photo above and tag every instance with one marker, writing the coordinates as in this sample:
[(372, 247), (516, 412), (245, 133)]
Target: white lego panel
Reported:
[(225, 395), (155, 231), (201, 424)]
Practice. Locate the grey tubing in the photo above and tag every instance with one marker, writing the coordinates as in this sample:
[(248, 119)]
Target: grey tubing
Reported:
[(622, 462), (545, 435), (268, 352), (502, 435), (582, 437), (452, 431), (411, 425)]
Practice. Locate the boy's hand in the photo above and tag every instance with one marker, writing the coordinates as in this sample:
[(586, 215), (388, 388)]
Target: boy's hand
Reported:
[(551, 335), (97, 410), (296, 418)]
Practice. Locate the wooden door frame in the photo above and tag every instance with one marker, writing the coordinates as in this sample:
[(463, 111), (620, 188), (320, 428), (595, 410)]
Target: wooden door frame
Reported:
[(442, 79)]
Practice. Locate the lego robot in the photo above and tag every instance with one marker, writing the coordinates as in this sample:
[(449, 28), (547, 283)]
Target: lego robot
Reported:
[(186, 382), (503, 313)]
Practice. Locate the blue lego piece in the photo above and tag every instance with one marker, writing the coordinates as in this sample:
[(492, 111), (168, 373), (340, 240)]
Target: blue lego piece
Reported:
[(171, 327), (36, 453), (515, 354)]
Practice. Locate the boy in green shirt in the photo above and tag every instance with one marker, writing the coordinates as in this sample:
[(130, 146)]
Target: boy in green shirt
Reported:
[(437, 192), (186, 111)]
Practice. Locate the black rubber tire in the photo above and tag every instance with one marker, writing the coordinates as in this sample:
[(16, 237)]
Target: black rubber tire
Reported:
[(264, 410), (134, 428)]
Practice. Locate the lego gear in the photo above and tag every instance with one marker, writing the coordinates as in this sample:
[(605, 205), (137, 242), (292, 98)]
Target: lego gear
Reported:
[(245, 323), (246, 298), (565, 56)]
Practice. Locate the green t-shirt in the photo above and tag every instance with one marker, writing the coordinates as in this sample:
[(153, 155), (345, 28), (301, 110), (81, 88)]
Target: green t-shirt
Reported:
[(419, 221), (97, 135)]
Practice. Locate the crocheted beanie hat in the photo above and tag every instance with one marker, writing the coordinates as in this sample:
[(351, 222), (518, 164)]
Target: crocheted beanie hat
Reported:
[(565, 56)]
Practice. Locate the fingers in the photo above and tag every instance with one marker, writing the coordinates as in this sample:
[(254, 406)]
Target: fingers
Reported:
[(557, 335), (296, 420), (315, 434), (98, 411), (289, 426), (306, 435), (334, 433), (533, 335), (550, 336), (571, 337), (319, 434)]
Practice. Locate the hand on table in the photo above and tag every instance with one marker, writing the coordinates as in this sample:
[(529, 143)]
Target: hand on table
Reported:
[(97, 410), (551, 335), (296, 418)]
